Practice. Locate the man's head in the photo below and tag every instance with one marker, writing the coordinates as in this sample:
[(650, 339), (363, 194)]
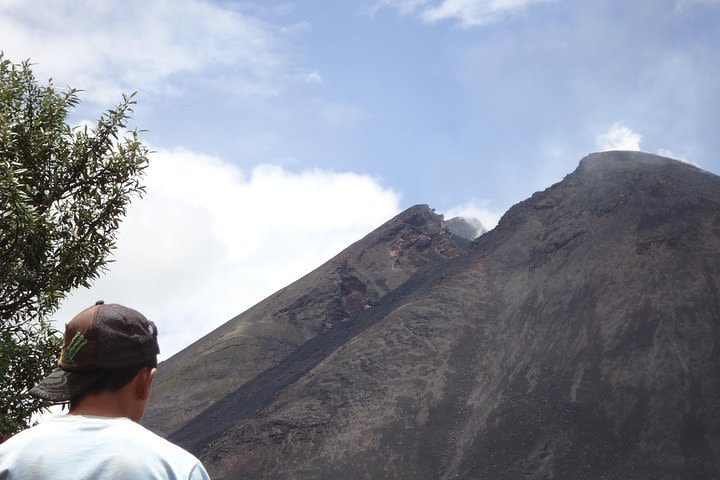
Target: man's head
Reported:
[(106, 349)]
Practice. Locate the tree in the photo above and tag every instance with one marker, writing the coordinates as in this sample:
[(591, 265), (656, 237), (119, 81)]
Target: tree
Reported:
[(63, 192)]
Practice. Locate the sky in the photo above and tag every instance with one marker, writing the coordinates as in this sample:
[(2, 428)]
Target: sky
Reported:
[(284, 131)]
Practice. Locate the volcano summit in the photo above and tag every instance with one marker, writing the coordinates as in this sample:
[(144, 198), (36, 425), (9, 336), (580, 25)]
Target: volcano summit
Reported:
[(580, 338)]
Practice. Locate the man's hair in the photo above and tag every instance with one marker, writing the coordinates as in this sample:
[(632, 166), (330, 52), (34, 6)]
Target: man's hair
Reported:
[(110, 380)]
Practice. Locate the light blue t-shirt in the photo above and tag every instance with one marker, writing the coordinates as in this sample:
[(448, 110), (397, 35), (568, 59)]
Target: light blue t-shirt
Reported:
[(87, 447)]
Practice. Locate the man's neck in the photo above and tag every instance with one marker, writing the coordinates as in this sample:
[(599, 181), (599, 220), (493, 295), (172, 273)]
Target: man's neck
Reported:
[(104, 404)]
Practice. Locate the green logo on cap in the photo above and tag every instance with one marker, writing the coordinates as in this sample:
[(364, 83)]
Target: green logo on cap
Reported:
[(77, 342)]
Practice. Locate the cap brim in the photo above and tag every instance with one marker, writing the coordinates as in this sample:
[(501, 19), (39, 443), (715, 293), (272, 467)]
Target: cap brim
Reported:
[(62, 385)]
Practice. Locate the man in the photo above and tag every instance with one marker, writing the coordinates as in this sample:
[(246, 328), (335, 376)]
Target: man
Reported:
[(107, 364)]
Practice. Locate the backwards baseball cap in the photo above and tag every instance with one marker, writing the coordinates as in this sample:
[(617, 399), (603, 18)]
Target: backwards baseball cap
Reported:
[(99, 338)]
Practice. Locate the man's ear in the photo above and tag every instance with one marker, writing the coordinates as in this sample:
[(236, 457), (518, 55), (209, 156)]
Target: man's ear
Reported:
[(144, 382)]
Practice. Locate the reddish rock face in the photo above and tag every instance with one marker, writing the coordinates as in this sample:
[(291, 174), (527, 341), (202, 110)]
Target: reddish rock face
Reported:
[(578, 339)]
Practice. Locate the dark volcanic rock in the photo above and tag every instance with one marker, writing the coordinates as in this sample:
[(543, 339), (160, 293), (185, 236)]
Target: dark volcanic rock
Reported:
[(578, 339), (248, 345)]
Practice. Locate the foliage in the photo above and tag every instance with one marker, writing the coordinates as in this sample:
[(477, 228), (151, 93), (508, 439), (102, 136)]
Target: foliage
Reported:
[(63, 192), (26, 357)]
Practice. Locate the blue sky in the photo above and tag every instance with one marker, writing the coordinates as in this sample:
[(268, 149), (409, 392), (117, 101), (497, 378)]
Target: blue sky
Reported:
[(286, 130)]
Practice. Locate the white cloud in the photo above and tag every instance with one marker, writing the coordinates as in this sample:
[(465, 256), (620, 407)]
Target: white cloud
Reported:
[(209, 240), (488, 217), (472, 13), (619, 137), (469, 13), (670, 154), (313, 77), (105, 49), (405, 7)]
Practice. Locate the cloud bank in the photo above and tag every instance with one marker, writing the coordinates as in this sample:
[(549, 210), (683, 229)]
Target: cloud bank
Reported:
[(210, 240), (143, 45), (468, 13)]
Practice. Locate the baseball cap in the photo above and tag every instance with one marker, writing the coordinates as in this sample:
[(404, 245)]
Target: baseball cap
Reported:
[(101, 337)]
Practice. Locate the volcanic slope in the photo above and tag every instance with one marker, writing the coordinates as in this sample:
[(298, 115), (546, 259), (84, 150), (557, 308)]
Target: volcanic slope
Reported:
[(251, 343), (578, 339)]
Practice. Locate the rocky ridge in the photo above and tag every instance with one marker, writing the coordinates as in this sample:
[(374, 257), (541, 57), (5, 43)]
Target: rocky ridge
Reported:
[(258, 339)]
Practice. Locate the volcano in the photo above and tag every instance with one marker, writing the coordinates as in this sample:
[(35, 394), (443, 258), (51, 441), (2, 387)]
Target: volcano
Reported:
[(580, 338)]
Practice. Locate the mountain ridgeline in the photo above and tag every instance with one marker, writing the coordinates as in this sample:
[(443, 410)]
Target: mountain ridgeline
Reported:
[(580, 338)]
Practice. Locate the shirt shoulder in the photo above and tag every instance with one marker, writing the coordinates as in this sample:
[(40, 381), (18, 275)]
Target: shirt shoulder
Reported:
[(157, 444), (97, 446), (152, 449)]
